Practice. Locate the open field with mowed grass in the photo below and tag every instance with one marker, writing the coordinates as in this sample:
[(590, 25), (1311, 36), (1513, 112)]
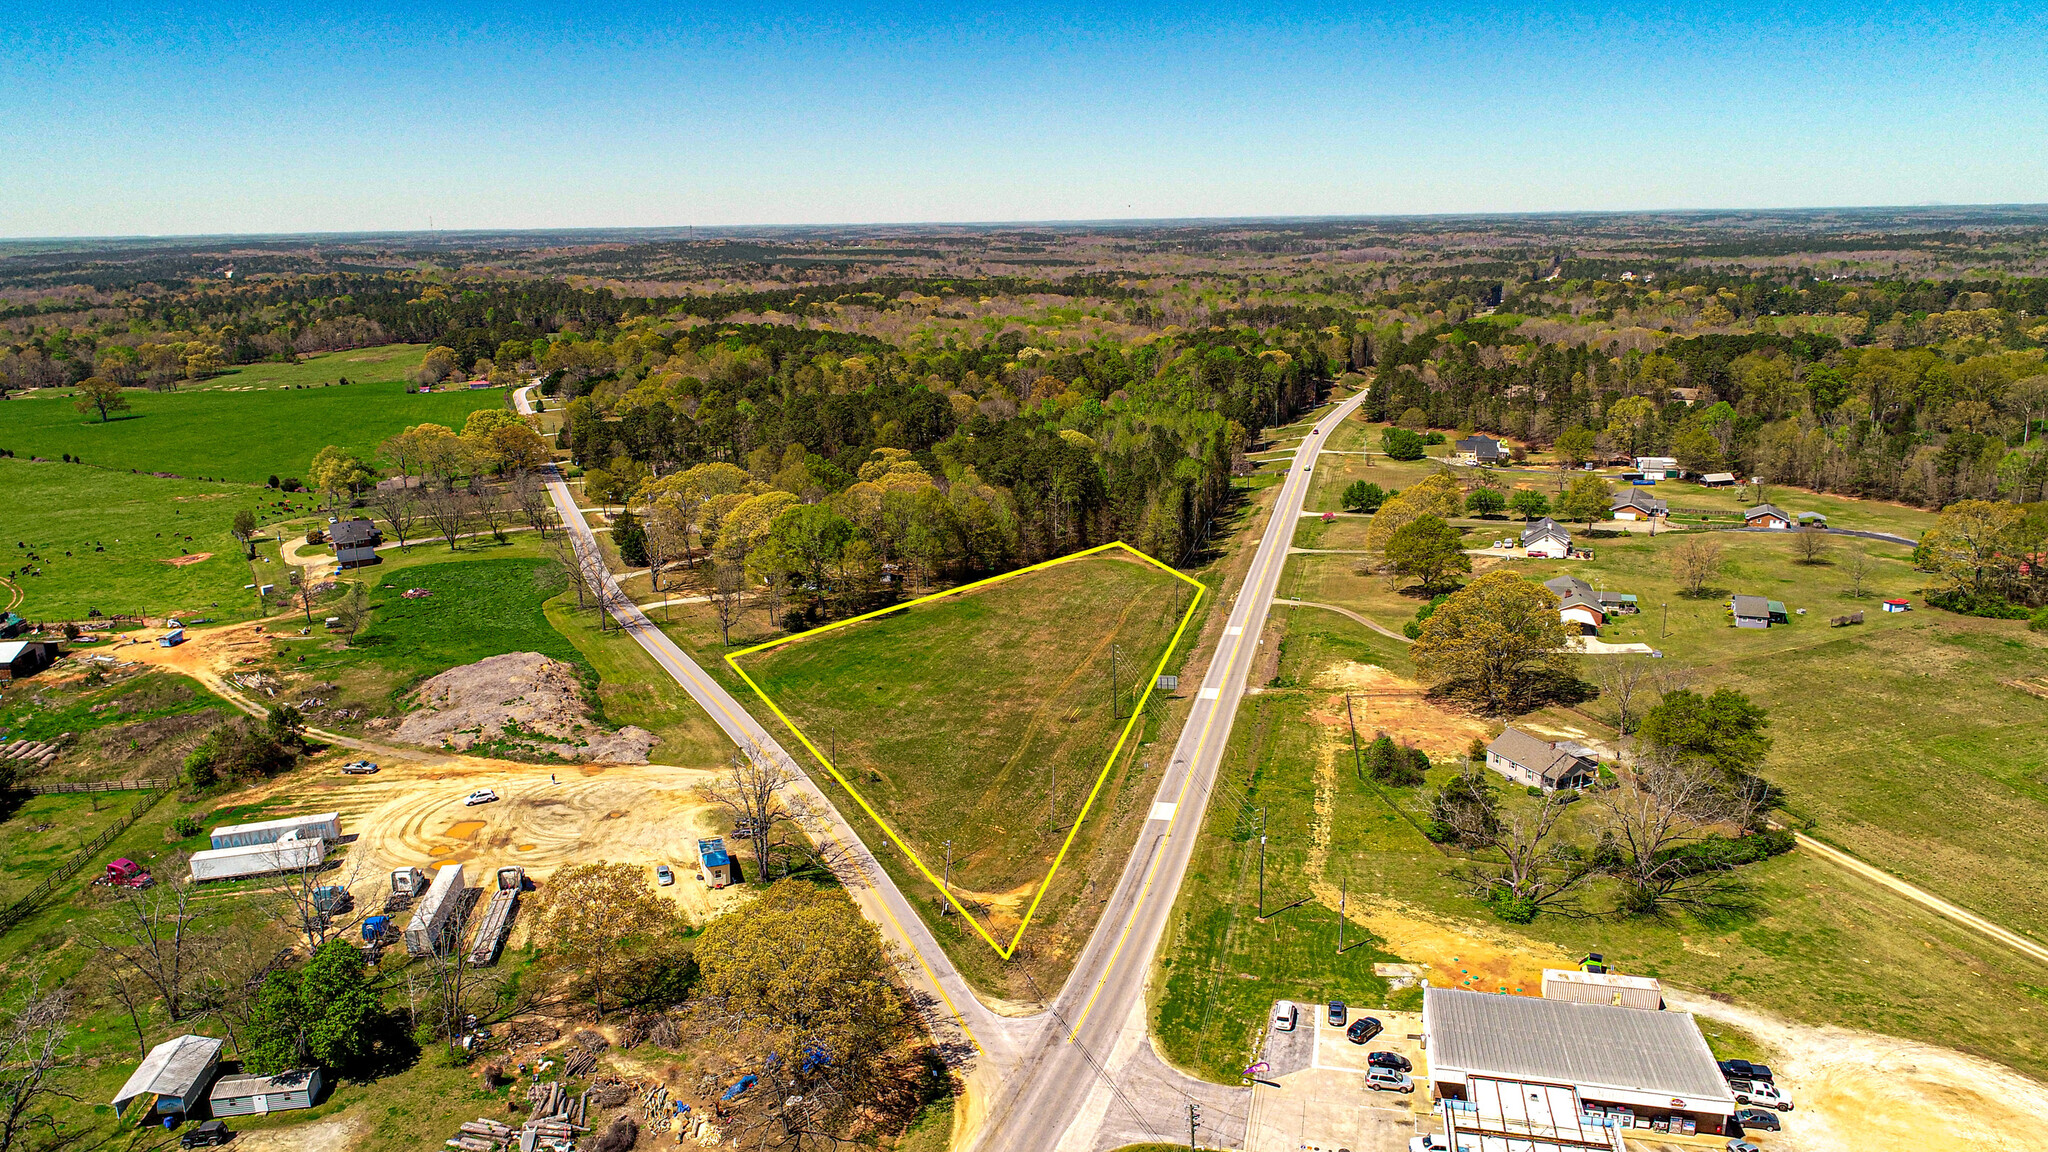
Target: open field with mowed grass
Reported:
[(245, 437), (1816, 944), (387, 363), (984, 717)]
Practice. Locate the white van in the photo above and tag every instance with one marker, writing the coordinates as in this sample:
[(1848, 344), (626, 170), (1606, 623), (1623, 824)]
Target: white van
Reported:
[(1284, 1015)]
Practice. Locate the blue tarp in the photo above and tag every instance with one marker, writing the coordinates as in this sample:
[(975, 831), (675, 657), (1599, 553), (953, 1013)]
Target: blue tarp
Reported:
[(744, 1083)]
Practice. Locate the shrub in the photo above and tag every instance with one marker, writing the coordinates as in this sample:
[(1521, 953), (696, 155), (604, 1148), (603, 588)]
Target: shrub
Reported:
[(1511, 908), (186, 826), (1401, 444), (2039, 621)]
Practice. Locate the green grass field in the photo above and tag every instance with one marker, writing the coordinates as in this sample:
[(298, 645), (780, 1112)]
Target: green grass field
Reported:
[(245, 437), (955, 719), (82, 709), (1817, 945), (390, 363), (140, 522)]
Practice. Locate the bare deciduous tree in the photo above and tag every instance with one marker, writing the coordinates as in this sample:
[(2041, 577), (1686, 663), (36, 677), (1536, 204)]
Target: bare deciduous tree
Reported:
[(1859, 569), (399, 506), (1535, 873), (353, 610), (563, 552), (150, 931), (1647, 823), (1694, 561), (530, 493), (1810, 544), (299, 905), (751, 790), (31, 1051), (727, 584), (491, 512), (1623, 680), (448, 511)]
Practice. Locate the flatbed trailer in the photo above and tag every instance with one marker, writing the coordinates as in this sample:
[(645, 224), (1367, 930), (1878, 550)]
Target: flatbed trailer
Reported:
[(497, 918)]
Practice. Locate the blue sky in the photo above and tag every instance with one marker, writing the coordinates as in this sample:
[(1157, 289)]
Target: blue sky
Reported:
[(208, 117)]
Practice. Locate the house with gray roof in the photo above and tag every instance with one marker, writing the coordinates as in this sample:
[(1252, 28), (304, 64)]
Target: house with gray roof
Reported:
[(355, 541), (1751, 611), (1767, 516), (1546, 539), (1535, 762), (1563, 1072), (1636, 504)]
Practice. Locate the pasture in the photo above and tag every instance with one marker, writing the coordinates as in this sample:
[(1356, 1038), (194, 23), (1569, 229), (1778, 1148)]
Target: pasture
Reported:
[(241, 436), (104, 540), (985, 720), (1814, 944), (384, 364)]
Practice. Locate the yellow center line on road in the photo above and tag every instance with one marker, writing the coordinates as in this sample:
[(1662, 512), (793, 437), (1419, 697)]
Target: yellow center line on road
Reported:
[(1208, 724)]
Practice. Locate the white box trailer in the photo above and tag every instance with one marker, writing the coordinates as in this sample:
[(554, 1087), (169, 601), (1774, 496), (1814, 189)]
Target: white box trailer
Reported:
[(428, 932), (290, 853), (326, 825)]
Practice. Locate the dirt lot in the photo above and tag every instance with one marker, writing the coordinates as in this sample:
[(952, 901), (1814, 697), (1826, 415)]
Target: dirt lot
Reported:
[(412, 813), (1384, 702)]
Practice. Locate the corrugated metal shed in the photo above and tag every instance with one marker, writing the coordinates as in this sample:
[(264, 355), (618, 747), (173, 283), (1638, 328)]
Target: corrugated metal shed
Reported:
[(175, 1070), (325, 825), (1588, 1045)]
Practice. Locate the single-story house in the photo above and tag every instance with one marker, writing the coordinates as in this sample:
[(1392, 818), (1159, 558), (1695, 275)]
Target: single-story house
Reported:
[(1718, 479), (20, 659), (1587, 614), (1609, 602), (258, 1095), (1657, 467), (1531, 760), (1810, 519), (1481, 450), (1636, 504), (355, 541), (1513, 1068), (1767, 516), (175, 1074), (1546, 539), (1898, 606), (1751, 611)]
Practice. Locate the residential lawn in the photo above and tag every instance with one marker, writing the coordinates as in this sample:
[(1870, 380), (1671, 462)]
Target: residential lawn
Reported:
[(1815, 944), (244, 437), (956, 719), (119, 530), (478, 608)]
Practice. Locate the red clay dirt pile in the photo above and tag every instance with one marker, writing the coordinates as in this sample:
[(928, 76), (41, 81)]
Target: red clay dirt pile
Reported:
[(518, 702)]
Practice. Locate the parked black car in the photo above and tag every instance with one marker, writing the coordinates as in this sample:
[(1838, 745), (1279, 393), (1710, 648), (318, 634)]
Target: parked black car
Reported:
[(1363, 1029), (1338, 1012), (207, 1135), (1757, 1120), (1394, 1060), (1744, 1070)]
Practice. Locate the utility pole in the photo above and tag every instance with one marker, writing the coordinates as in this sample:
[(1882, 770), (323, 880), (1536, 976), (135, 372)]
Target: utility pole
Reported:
[(1357, 762), (1262, 862), (1665, 629), (1343, 895), (1052, 804), (947, 884)]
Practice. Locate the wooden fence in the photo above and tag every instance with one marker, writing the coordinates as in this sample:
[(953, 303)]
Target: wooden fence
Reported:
[(100, 786), (14, 913)]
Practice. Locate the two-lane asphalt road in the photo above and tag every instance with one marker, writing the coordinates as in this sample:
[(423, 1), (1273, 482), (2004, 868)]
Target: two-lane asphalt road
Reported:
[(1090, 1077), (952, 1005)]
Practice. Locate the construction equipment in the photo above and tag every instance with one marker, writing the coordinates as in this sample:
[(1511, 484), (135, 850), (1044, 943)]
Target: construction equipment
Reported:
[(408, 882), (497, 920)]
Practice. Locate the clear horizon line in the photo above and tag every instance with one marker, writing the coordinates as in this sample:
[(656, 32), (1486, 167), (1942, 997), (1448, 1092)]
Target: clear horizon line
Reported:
[(1074, 223)]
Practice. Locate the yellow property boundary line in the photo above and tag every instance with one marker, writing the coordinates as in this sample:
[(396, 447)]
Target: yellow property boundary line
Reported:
[(1005, 951)]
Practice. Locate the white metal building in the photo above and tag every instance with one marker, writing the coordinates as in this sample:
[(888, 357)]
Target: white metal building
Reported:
[(259, 1095), (174, 1075), (1511, 1068), (1603, 988)]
